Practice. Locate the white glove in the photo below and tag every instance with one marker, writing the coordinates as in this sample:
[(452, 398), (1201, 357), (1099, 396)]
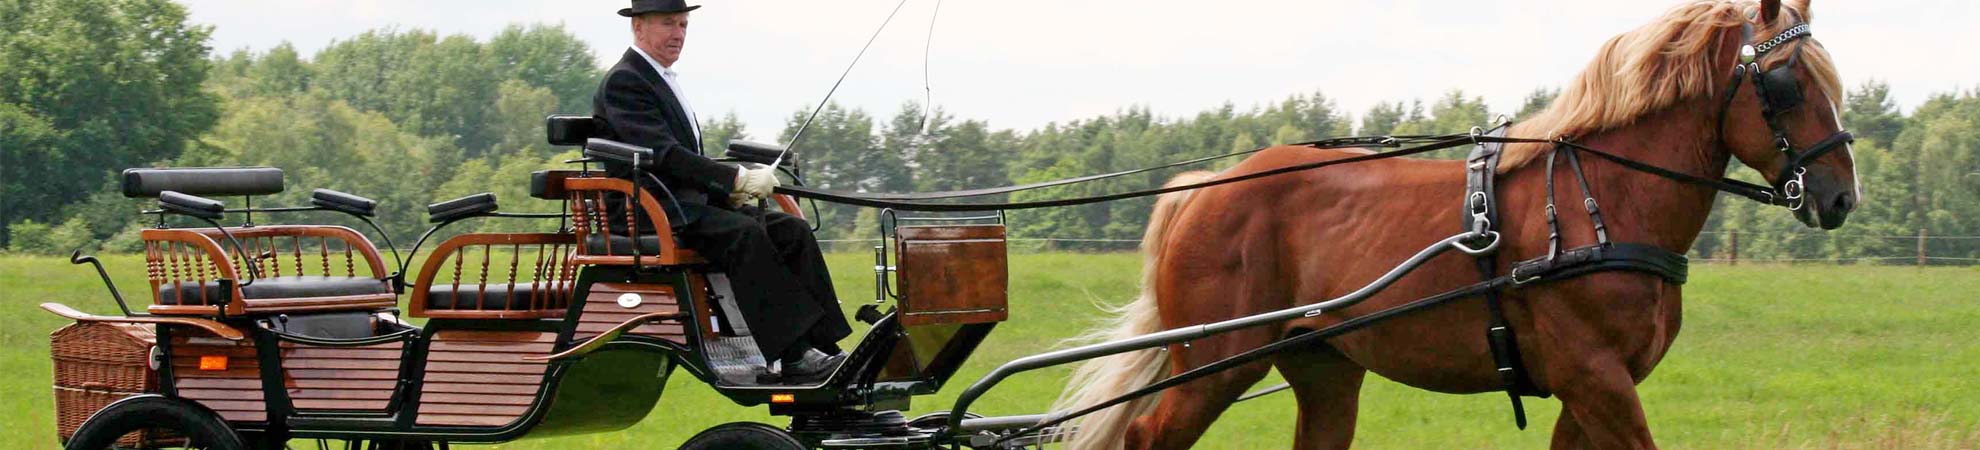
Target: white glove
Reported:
[(756, 182)]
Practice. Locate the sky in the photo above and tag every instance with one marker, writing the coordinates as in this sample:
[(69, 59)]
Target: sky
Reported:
[(1020, 64)]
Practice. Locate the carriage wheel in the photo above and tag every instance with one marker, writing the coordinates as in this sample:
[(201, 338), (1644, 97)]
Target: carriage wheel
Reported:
[(743, 436), (201, 428)]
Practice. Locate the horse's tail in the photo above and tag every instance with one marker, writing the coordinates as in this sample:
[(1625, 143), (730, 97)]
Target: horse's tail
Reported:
[(1104, 378)]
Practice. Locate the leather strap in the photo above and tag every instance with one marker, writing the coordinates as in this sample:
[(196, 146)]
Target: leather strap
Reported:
[(920, 202), (1481, 215)]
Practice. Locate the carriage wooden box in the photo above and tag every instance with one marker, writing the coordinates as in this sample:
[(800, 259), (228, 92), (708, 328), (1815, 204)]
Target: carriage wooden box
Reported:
[(953, 274)]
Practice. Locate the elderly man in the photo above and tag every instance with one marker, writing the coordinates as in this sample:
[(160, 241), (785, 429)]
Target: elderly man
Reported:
[(782, 288)]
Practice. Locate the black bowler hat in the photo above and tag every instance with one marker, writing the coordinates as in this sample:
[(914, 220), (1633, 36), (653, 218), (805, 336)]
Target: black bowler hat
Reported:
[(656, 6)]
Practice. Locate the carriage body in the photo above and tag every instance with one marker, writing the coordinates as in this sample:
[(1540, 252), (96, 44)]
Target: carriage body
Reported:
[(295, 331)]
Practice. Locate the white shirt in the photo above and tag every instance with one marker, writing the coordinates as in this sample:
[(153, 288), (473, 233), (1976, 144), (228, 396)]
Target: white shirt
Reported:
[(674, 84)]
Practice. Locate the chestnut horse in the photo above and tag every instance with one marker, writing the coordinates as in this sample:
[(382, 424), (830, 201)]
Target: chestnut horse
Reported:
[(1653, 94)]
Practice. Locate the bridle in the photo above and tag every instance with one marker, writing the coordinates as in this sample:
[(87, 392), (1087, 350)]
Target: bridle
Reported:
[(1779, 92)]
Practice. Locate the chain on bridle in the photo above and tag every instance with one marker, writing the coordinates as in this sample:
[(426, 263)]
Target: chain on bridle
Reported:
[(1779, 92)]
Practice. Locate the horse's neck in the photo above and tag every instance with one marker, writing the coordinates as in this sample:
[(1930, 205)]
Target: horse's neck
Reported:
[(1639, 207)]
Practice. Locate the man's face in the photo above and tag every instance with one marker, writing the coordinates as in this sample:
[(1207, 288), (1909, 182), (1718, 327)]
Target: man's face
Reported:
[(661, 35)]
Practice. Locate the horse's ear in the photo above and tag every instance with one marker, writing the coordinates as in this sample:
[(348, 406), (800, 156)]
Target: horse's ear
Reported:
[(1769, 10)]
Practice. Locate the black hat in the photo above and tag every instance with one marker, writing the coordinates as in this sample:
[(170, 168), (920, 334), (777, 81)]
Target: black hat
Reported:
[(656, 6)]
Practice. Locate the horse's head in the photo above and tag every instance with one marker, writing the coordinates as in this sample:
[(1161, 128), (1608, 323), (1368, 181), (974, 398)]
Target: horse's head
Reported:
[(1781, 115)]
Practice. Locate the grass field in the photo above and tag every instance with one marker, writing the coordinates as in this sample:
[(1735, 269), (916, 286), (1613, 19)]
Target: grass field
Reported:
[(1770, 357)]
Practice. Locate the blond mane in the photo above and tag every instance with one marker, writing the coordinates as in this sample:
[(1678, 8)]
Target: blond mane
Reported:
[(1673, 59)]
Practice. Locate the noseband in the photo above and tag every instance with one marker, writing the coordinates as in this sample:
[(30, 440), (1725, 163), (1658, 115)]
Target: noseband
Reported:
[(1779, 92)]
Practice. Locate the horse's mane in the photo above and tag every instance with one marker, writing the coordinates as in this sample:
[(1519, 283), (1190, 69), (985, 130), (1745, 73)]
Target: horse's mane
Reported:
[(1674, 58)]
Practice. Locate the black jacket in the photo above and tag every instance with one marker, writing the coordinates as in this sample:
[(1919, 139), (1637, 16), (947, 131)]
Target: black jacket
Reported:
[(639, 109)]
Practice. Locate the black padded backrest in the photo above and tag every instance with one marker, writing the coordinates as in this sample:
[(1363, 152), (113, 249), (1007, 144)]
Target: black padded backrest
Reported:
[(565, 129), (758, 152), (459, 208), (549, 184), (616, 151), (203, 181)]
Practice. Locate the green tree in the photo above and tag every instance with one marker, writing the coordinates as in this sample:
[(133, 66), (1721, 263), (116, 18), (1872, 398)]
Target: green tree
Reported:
[(716, 133), (91, 87), (1536, 101), (549, 57), (1382, 119), (426, 84), (519, 112), (830, 151), (1870, 113)]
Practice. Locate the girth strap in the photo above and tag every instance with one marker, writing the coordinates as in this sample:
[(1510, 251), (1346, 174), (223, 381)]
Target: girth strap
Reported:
[(1578, 261), (1481, 216)]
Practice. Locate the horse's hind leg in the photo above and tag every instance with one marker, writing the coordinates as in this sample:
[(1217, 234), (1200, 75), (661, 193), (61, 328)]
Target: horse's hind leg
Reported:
[(1568, 434), (1328, 387), (1186, 411)]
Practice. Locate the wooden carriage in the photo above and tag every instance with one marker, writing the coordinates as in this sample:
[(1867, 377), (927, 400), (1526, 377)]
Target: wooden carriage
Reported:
[(295, 331)]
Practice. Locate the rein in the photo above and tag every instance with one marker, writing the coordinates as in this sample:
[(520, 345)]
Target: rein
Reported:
[(922, 201)]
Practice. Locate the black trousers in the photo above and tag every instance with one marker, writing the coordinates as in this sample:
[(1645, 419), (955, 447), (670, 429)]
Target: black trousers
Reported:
[(781, 284)]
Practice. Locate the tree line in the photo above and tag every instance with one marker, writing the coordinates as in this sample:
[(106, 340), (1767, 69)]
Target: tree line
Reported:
[(411, 117)]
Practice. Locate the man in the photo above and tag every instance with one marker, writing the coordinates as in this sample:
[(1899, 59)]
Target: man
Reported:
[(781, 284)]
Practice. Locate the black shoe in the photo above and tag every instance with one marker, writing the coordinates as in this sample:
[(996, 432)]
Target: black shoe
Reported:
[(811, 363)]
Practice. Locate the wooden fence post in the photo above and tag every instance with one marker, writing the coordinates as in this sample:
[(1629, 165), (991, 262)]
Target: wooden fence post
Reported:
[(1733, 247), (1921, 247)]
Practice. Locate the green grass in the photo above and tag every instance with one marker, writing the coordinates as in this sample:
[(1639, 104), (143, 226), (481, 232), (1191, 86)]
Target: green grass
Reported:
[(1770, 357)]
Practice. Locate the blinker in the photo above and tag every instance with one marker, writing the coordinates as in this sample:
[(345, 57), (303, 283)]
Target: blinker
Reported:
[(1782, 89)]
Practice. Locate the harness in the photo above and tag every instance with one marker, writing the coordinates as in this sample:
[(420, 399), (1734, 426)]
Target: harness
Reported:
[(1779, 91)]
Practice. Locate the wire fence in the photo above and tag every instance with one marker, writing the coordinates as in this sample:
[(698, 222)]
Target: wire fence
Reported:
[(1921, 248), (1712, 247)]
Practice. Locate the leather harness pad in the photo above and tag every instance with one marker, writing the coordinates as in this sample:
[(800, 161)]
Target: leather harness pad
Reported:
[(1480, 175)]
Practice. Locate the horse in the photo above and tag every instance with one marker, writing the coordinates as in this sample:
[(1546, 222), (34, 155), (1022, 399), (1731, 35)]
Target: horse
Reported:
[(1657, 94)]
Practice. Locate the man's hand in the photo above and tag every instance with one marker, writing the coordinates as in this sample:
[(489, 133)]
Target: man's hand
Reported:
[(756, 182), (738, 198)]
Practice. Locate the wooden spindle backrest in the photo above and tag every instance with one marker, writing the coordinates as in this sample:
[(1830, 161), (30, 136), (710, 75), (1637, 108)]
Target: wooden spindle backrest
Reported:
[(549, 276)]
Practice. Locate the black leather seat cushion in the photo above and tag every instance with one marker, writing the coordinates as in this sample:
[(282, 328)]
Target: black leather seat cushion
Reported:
[(342, 325), (274, 287), (594, 244), (469, 297)]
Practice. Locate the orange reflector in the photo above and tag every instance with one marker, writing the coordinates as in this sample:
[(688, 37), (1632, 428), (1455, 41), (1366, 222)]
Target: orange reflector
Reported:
[(783, 398), (213, 362)]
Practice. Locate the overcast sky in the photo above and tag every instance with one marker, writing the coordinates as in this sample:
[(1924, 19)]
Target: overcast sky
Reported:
[(1023, 63)]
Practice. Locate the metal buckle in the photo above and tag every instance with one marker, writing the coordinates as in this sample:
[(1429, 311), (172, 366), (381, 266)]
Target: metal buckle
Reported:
[(1516, 281), (1793, 190), (1479, 223)]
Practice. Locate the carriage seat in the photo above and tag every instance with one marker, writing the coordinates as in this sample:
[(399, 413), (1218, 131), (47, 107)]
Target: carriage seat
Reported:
[(649, 244), (334, 325), (498, 296), (310, 286)]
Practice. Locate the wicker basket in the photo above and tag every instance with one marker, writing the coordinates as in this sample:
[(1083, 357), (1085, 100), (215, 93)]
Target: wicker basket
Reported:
[(97, 363)]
